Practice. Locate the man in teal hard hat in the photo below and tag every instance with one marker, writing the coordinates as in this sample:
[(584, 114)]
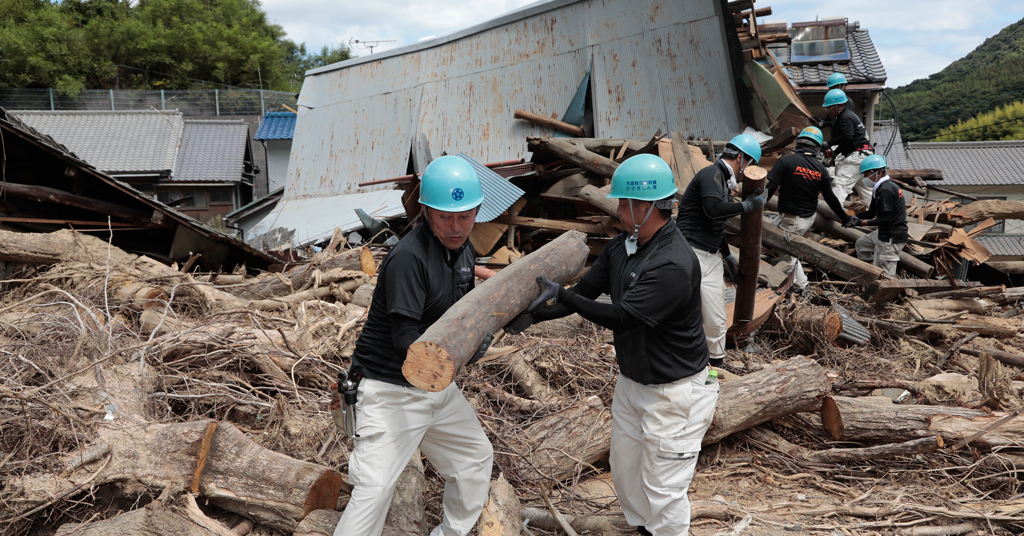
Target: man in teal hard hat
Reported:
[(799, 178), (423, 276), (888, 211), (705, 206), (663, 402), (852, 146)]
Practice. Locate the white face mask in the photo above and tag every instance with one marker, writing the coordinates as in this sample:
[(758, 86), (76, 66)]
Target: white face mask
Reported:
[(633, 241)]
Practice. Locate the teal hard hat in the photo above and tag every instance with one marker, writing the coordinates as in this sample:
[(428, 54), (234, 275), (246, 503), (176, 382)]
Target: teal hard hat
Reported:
[(834, 97), (644, 177), (873, 162), (812, 133), (748, 145), (835, 79), (450, 184)]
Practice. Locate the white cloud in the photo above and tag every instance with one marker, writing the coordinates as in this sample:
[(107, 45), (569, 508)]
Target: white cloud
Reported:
[(914, 38)]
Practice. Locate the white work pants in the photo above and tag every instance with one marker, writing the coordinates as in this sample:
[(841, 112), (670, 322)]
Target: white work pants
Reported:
[(885, 255), (847, 175), (392, 421), (656, 436), (712, 300), (796, 225)]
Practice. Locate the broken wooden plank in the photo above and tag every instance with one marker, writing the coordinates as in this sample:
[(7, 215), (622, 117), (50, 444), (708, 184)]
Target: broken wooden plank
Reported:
[(889, 289), (988, 208), (561, 225), (560, 126)]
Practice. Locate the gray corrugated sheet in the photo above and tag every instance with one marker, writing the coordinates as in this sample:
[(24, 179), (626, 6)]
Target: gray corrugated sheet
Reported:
[(864, 62), (301, 222), (657, 64), (212, 151), (499, 194), (897, 156), (971, 163), (114, 142), (1004, 245)]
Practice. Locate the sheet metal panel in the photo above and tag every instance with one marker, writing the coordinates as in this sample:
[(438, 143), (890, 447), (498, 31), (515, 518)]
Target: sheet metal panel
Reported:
[(299, 222), (499, 194)]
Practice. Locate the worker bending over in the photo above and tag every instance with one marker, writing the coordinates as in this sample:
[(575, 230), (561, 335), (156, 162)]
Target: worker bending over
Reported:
[(888, 211), (849, 138), (705, 206), (799, 178)]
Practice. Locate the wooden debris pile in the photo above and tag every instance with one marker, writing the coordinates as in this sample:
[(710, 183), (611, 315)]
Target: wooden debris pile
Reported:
[(136, 397)]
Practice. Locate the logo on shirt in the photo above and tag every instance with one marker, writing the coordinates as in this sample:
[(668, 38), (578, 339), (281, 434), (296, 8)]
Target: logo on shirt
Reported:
[(808, 174), (639, 186), (458, 194)]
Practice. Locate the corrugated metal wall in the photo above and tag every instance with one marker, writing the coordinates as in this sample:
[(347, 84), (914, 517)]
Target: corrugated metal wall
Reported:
[(658, 64)]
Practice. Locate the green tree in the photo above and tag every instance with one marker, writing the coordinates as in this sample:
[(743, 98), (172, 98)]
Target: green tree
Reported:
[(1003, 123)]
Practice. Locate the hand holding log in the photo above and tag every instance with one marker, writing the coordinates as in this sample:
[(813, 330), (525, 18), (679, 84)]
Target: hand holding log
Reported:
[(450, 342)]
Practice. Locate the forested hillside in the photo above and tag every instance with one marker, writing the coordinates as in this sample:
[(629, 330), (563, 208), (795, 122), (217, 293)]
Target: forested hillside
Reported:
[(78, 44), (990, 76), (1003, 123)]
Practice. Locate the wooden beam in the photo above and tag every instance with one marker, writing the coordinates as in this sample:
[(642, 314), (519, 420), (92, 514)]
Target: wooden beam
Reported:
[(97, 224), (44, 194), (750, 246), (910, 174), (820, 255), (560, 126), (561, 225), (447, 345), (887, 290), (599, 199)]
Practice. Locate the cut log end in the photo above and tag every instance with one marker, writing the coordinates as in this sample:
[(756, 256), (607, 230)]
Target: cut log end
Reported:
[(832, 419), (324, 493), (428, 366), (366, 262)]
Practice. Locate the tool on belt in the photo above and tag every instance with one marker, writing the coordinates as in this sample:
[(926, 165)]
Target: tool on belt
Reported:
[(343, 408)]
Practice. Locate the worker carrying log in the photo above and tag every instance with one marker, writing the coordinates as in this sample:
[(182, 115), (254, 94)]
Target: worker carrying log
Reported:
[(663, 402), (850, 142), (423, 276), (705, 206), (799, 178), (888, 211)]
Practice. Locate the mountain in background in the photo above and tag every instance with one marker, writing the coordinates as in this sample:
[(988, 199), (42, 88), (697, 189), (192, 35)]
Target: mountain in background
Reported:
[(972, 85)]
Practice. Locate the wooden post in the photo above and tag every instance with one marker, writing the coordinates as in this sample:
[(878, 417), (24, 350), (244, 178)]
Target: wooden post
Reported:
[(560, 126), (750, 246), (599, 199), (450, 342)]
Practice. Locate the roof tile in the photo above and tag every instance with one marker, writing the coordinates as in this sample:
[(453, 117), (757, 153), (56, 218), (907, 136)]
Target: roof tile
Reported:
[(115, 142), (864, 63), (276, 126), (212, 151), (971, 163)]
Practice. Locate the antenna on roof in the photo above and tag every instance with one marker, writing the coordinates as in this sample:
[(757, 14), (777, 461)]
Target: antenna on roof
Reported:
[(368, 45)]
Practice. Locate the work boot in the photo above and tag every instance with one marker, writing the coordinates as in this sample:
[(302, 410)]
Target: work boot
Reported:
[(643, 530)]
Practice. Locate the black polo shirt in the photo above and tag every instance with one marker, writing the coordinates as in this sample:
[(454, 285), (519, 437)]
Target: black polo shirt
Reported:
[(889, 212), (848, 132), (419, 279), (703, 231), (660, 285), (800, 177)]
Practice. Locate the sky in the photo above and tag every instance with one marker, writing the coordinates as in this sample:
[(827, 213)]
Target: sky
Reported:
[(914, 38)]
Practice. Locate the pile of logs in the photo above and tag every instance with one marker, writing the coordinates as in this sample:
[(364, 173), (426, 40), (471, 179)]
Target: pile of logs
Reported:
[(139, 398)]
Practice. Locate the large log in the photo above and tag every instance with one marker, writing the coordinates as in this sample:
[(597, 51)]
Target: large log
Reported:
[(501, 515), (910, 174), (360, 259), (563, 443), (64, 245), (795, 386), (153, 519), (806, 325), (576, 154), (876, 419), (988, 208), (238, 476), (599, 199), (555, 124), (847, 455), (820, 255), (449, 343), (750, 247)]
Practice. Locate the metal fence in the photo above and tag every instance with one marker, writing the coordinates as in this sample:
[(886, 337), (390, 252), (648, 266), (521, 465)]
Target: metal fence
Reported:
[(206, 102)]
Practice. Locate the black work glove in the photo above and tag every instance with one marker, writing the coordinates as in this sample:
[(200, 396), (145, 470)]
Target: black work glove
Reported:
[(854, 221), (817, 121), (755, 201), (519, 323), (548, 294), (483, 349), (732, 268)]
